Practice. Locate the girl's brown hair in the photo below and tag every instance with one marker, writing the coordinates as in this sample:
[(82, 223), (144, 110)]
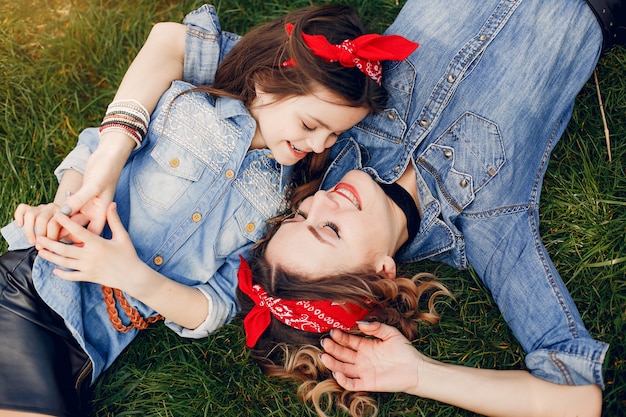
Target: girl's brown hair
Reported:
[(256, 60), (286, 352)]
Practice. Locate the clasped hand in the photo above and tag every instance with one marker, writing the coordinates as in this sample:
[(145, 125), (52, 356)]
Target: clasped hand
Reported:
[(90, 257)]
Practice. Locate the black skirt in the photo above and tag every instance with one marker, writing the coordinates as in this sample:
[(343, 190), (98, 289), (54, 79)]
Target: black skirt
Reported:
[(42, 367)]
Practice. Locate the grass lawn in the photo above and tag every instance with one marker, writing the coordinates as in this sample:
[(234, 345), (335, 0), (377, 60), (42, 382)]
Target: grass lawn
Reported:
[(60, 63)]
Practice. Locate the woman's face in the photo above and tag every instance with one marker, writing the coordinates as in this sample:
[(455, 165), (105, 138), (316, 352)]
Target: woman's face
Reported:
[(354, 227), (296, 126)]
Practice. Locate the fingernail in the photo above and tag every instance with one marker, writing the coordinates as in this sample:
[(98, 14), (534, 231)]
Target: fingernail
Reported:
[(67, 210), (362, 322), (333, 374), (322, 342), (319, 356)]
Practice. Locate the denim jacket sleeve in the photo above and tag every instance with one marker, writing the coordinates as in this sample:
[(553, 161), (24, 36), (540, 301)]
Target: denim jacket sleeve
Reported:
[(506, 251), (205, 46), (222, 305)]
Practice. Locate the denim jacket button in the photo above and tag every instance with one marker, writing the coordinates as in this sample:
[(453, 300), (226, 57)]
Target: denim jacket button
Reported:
[(463, 183), (230, 174), (447, 153), (424, 123), (174, 162), (451, 79), (157, 260), (196, 217), (391, 116), (250, 227)]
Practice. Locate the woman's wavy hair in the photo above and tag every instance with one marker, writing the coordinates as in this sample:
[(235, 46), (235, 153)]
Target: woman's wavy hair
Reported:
[(258, 57), (285, 352)]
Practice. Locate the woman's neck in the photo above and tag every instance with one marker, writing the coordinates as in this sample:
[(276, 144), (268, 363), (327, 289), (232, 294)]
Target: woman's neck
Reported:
[(408, 181), (403, 195)]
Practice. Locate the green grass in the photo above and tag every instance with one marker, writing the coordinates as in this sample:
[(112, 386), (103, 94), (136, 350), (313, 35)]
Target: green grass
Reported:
[(60, 62)]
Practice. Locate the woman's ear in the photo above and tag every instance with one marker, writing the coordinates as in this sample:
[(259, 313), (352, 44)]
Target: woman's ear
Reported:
[(386, 266)]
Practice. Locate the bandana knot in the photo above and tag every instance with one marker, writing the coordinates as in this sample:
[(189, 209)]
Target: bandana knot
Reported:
[(364, 52), (313, 316)]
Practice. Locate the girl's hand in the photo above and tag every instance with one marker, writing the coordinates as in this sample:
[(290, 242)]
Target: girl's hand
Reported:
[(97, 190), (386, 363), (92, 258)]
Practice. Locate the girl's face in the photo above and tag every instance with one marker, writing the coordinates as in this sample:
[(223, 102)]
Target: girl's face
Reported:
[(354, 227), (295, 126)]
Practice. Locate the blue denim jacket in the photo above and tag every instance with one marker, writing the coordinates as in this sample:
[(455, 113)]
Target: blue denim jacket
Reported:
[(192, 199), (477, 109)]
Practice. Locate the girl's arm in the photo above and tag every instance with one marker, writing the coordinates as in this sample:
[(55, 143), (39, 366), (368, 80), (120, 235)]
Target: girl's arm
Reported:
[(111, 262), (390, 363), (158, 63)]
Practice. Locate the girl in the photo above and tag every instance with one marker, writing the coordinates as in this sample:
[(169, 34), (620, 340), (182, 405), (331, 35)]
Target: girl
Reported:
[(210, 168)]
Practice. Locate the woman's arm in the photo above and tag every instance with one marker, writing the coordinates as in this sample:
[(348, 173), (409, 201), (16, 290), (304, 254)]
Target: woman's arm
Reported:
[(390, 363)]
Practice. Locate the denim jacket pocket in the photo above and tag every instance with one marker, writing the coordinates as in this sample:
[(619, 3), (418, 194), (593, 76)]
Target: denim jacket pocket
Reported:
[(161, 183), (390, 124), (250, 226), (464, 158)]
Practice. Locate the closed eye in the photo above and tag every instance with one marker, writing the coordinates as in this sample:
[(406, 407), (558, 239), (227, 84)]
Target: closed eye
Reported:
[(332, 226), (300, 214)]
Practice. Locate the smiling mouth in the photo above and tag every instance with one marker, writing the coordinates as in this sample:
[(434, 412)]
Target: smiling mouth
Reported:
[(349, 192), (296, 150)]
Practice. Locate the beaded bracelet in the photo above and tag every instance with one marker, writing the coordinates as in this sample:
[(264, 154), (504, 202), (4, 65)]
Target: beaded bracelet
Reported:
[(129, 117)]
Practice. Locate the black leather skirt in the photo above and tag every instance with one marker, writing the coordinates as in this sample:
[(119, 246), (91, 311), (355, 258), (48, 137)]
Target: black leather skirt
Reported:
[(42, 368)]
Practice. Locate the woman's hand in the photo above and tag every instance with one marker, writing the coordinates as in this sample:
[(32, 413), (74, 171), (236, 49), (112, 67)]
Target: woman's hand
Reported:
[(389, 363), (386, 363), (37, 221)]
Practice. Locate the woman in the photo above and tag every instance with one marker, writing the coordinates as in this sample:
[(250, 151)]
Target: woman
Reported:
[(473, 117)]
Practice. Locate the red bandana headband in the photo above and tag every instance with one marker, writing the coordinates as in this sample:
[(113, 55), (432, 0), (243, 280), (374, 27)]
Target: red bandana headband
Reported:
[(313, 316), (364, 52)]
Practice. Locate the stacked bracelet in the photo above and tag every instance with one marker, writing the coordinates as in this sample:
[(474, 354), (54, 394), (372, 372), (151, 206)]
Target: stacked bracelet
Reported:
[(129, 117)]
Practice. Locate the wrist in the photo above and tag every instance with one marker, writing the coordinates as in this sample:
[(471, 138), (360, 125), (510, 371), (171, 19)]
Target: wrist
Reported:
[(430, 375), (115, 143)]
